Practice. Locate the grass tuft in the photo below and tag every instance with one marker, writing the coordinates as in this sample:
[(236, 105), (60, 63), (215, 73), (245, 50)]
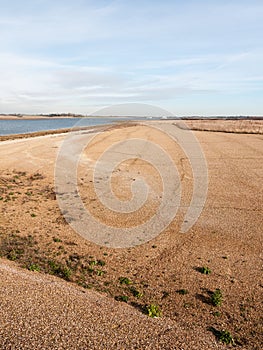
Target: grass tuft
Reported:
[(125, 280), (217, 297), (153, 310)]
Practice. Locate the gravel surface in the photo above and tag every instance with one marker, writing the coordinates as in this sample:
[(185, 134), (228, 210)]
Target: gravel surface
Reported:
[(39, 311), (43, 312)]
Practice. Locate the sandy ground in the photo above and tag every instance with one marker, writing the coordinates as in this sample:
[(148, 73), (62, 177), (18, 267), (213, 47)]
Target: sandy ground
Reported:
[(41, 311)]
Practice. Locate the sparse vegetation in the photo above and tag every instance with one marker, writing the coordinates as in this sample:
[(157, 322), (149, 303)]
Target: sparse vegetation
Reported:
[(223, 336), (92, 262), (205, 270), (34, 267), (56, 239), (217, 297), (14, 254), (50, 249), (59, 270), (153, 310), (100, 272), (226, 337), (135, 292), (125, 280)]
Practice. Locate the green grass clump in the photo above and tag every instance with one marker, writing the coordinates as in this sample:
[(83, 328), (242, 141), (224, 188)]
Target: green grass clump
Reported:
[(59, 270), (136, 293), (225, 337), (56, 239), (153, 310), (217, 297), (34, 267), (100, 272), (97, 262), (125, 280), (205, 270)]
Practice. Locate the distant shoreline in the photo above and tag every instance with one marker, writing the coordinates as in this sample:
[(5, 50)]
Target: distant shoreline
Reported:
[(47, 117), (68, 116)]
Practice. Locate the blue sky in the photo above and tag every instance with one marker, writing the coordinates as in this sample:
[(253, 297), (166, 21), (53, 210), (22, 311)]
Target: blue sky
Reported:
[(192, 57)]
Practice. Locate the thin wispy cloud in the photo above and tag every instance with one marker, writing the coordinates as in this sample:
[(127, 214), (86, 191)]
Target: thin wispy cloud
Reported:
[(190, 57)]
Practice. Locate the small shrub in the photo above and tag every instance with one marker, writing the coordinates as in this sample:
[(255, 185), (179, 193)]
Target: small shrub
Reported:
[(225, 337), (125, 280), (217, 297), (153, 310), (136, 293), (59, 270), (34, 267), (56, 239), (205, 270), (100, 272)]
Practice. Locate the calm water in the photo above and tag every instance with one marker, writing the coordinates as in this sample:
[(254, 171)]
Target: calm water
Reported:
[(9, 127)]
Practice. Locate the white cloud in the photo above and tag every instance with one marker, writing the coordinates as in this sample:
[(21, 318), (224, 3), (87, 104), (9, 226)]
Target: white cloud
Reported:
[(35, 85), (73, 55)]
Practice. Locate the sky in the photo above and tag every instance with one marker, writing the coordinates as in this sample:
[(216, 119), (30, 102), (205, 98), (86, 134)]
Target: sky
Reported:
[(189, 57)]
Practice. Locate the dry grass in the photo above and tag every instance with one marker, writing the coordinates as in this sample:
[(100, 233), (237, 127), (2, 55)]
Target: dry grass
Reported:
[(230, 126)]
